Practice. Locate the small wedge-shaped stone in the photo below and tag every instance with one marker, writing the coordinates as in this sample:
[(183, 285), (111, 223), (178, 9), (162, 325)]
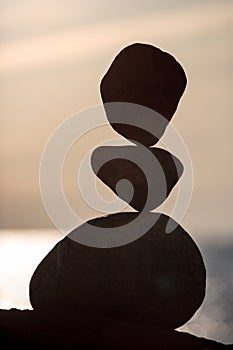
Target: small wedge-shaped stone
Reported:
[(151, 173)]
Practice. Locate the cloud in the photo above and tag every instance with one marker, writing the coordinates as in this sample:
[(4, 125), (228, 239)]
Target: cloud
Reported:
[(47, 77), (77, 44)]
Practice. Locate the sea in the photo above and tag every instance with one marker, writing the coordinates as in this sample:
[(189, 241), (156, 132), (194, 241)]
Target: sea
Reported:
[(22, 250)]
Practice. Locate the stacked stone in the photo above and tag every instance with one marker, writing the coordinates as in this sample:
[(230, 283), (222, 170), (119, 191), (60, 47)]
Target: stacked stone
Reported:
[(158, 278)]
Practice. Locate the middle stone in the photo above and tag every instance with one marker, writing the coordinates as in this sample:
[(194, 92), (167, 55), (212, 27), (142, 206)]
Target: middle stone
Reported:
[(152, 172)]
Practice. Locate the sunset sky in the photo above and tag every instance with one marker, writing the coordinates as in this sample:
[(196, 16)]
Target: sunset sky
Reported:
[(53, 55)]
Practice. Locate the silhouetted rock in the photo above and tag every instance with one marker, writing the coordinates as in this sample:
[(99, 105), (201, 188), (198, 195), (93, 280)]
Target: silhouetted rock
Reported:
[(152, 173), (159, 278), (144, 75), (32, 330), (129, 296)]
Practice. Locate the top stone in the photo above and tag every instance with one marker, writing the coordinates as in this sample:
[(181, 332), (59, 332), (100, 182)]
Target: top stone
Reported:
[(142, 75)]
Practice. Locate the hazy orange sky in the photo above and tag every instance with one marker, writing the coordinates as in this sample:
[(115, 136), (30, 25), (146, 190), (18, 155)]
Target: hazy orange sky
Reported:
[(53, 55)]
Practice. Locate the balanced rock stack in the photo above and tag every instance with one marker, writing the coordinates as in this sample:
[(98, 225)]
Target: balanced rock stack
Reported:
[(160, 277)]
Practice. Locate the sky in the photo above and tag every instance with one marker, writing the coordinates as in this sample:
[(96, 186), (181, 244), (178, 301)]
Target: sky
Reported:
[(53, 55)]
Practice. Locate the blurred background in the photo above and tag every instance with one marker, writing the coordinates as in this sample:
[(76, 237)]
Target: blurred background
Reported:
[(53, 55)]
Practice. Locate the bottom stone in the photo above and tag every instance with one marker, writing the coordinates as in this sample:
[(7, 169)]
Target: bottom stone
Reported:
[(159, 278)]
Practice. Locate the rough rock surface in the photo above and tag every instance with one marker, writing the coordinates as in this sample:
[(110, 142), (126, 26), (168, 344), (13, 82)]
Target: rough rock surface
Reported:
[(152, 173), (159, 278), (34, 330), (145, 75)]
